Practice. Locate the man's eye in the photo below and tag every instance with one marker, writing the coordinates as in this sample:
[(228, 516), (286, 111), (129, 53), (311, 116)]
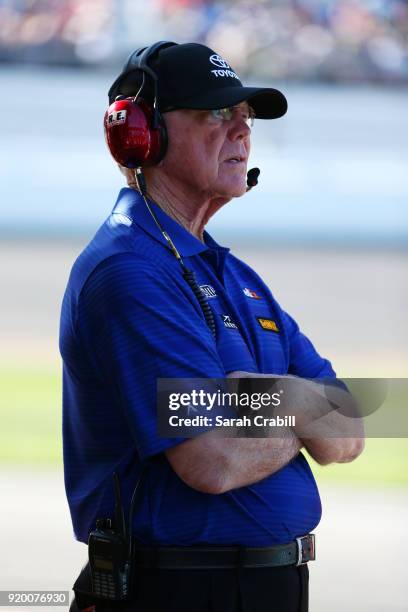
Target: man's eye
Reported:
[(224, 114)]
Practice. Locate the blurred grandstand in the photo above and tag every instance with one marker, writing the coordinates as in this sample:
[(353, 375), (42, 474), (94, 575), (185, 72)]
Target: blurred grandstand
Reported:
[(324, 40)]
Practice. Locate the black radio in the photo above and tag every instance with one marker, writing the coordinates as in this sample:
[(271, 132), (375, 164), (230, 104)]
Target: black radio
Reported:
[(109, 563), (110, 552)]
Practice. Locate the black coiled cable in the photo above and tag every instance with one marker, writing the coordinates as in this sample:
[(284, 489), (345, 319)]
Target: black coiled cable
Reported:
[(189, 276)]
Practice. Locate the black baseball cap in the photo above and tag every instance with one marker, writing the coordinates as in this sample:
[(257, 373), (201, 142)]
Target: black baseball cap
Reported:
[(191, 75)]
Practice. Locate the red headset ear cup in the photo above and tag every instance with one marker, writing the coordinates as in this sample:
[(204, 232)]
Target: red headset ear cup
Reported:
[(131, 140)]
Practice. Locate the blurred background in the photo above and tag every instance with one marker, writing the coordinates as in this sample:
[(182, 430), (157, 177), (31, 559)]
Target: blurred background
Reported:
[(326, 228)]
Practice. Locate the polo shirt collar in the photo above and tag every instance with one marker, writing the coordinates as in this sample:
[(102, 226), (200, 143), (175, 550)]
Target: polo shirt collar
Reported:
[(131, 204)]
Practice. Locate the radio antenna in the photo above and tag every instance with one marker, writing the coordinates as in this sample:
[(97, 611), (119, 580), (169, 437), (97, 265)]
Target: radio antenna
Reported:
[(120, 523)]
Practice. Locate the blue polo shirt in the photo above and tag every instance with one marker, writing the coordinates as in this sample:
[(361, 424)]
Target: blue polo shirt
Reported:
[(128, 318)]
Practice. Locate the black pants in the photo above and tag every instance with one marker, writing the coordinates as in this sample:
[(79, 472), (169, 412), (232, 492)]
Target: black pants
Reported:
[(281, 589)]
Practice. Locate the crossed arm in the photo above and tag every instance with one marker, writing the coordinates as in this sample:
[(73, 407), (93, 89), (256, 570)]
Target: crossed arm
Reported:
[(120, 327), (230, 463)]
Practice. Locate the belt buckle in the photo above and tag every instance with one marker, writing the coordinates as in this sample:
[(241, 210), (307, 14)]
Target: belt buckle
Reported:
[(306, 549)]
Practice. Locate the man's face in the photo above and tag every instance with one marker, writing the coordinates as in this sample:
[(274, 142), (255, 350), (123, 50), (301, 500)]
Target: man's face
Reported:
[(208, 153)]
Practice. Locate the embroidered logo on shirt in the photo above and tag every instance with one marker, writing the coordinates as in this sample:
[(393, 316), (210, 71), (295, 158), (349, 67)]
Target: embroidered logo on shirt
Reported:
[(251, 294), (208, 291), (226, 319), (267, 324)]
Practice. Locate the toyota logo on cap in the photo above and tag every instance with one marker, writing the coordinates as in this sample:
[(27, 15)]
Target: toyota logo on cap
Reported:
[(218, 61)]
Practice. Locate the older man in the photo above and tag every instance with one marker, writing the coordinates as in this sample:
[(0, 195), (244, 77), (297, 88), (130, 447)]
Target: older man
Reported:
[(218, 524)]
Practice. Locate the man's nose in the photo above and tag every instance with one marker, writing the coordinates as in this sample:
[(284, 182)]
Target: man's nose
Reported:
[(239, 129)]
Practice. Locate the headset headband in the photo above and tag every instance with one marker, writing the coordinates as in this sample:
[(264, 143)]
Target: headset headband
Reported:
[(147, 53), (139, 60)]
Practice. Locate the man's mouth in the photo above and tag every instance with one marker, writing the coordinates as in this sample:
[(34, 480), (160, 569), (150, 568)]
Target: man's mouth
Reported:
[(236, 159)]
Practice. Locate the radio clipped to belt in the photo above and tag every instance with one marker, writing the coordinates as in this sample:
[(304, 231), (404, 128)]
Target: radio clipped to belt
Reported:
[(110, 552)]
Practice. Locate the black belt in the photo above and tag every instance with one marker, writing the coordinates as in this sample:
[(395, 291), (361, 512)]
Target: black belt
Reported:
[(298, 552)]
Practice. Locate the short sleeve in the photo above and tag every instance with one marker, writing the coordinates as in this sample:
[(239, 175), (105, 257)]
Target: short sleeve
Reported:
[(304, 360), (139, 323)]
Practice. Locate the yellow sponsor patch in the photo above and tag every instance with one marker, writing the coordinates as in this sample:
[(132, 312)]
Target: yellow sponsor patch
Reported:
[(267, 324)]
